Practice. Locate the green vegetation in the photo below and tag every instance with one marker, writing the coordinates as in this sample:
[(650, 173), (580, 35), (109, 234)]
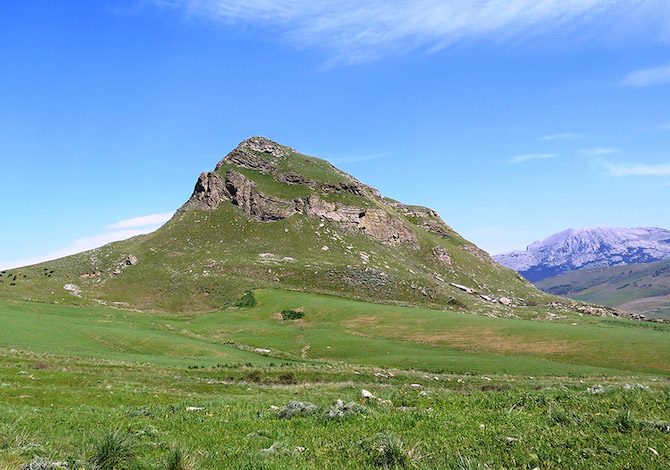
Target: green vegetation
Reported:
[(292, 314), (247, 300), (190, 348), (96, 385)]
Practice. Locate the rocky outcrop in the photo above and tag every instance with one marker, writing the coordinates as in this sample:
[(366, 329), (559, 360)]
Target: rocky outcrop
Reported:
[(424, 217), (212, 189), (209, 192), (441, 254), (478, 253), (257, 153), (256, 204), (379, 225)]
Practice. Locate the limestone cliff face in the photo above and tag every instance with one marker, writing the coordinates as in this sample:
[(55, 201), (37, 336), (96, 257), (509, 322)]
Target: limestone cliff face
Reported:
[(225, 185), (212, 189)]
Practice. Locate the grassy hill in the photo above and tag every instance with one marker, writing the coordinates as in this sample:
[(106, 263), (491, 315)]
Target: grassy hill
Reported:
[(640, 288), (269, 217)]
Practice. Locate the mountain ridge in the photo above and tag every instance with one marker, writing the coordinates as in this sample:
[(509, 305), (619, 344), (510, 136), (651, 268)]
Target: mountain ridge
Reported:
[(575, 249)]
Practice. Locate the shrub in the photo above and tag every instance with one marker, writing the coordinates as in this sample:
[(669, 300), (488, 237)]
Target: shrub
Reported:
[(297, 408), (247, 300), (292, 314), (288, 378), (115, 451), (255, 376), (341, 410), (388, 451)]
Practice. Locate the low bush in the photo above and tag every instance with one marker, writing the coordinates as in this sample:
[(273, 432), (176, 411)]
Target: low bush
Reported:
[(341, 410), (297, 408), (292, 314), (247, 300)]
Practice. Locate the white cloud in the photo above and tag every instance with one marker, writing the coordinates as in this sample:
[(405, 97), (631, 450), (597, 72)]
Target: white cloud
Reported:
[(648, 77), (359, 30), (599, 151), (532, 157), (636, 169), (563, 136), (143, 221), (121, 230)]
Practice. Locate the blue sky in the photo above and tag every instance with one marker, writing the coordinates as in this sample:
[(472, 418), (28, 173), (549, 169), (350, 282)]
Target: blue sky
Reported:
[(514, 119)]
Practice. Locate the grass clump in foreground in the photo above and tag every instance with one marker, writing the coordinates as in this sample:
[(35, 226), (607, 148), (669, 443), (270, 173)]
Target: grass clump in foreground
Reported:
[(177, 459), (388, 451), (115, 451)]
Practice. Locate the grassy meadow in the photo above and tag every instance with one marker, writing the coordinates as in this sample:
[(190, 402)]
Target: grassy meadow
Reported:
[(211, 390)]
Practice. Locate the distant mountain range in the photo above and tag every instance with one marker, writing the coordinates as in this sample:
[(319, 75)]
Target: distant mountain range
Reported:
[(642, 288), (627, 268), (576, 249)]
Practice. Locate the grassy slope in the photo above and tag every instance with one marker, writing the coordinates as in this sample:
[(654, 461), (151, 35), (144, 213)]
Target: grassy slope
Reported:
[(641, 288), (336, 329), (68, 375)]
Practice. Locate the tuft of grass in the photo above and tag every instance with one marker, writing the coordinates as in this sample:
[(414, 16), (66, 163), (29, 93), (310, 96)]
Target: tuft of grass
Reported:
[(115, 451), (625, 422), (387, 450), (247, 300), (558, 416), (177, 459)]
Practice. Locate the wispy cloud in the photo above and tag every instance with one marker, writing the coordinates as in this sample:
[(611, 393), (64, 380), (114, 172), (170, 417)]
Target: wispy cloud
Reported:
[(143, 221), (563, 136), (599, 151), (121, 230), (359, 30), (636, 169), (647, 77), (529, 157)]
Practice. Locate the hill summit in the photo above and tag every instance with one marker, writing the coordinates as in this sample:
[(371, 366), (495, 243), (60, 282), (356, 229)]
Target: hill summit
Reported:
[(268, 216)]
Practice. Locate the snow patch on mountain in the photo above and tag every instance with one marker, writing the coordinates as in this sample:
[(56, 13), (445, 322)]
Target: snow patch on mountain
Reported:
[(575, 249)]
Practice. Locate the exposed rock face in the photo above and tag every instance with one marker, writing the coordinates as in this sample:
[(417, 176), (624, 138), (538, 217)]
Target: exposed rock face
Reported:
[(209, 192), (246, 155), (243, 192), (478, 253), (345, 215), (426, 218), (263, 155), (379, 225)]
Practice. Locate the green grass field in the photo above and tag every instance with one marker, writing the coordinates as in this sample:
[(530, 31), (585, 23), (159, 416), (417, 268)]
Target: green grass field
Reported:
[(489, 391)]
